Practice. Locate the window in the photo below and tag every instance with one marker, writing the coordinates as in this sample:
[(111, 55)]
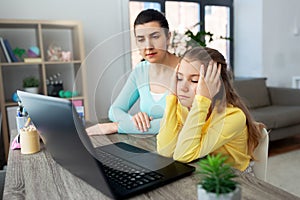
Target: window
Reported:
[(216, 16), (217, 22)]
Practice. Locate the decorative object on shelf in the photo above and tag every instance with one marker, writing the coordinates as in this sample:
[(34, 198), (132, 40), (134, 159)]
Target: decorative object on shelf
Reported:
[(66, 56), (217, 179), (55, 53), (20, 53), (67, 94), (31, 84), (15, 97), (33, 52), (54, 85)]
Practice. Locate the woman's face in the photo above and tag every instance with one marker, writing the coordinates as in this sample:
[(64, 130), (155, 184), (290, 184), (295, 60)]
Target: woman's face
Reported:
[(187, 79), (151, 41)]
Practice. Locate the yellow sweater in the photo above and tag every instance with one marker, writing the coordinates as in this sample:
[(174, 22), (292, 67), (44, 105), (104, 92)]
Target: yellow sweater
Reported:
[(186, 136)]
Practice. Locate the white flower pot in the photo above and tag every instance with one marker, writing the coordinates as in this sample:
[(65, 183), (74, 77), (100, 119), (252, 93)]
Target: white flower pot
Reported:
[(204, 195), (32, 90)]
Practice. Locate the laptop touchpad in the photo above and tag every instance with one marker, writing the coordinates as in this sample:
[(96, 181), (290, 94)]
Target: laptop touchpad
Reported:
[(151, 161)]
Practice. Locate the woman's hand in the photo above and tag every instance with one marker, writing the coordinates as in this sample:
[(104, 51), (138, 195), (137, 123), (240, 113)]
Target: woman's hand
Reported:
[(103, 129), (142, 121), (209, 83)]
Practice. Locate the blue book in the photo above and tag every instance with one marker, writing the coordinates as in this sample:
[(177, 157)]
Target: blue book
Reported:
[(4, 50), (10, 51)]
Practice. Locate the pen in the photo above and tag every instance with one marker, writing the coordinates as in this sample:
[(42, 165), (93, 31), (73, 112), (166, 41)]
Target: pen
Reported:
[(20, 110), (19, 114), (24, 112)]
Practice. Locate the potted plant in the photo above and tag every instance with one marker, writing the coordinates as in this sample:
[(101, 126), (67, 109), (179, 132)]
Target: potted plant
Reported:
[(217, 179), (31, 84), (182, 42)]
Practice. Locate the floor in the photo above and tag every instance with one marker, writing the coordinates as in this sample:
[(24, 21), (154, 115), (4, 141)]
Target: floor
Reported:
[(283, 164), (284, 145)]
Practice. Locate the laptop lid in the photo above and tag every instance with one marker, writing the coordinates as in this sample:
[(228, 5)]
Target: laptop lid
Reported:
[(70, 146)]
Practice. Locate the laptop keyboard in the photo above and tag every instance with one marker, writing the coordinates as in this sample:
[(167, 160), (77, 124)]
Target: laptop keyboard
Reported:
[(124, 173)]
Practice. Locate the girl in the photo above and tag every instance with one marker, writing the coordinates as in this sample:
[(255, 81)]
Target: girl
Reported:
[(205, 115), (148, 82)]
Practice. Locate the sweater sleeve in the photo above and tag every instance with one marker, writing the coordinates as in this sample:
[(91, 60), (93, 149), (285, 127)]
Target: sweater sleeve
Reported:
[(169, 127), (200, 137), (118, 111)]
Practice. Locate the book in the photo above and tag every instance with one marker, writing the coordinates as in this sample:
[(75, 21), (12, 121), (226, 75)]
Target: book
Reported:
[(12, 56), (6, 55), (78, 104), (32, 60), (2, 56)]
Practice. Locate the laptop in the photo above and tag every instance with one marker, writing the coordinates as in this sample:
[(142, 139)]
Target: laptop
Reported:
[(118, 170)]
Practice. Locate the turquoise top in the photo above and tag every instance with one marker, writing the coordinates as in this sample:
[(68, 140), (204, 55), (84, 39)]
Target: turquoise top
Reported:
[(137, 86)]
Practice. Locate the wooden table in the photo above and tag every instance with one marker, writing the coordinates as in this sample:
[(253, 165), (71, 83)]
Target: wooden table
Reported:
[(38, 176)]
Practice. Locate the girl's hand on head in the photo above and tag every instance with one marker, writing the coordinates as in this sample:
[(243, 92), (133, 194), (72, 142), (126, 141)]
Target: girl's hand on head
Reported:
[(142, 121), (209, 83)]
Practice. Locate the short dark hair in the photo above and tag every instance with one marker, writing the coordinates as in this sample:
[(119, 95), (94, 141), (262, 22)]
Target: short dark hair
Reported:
[(151, 15)]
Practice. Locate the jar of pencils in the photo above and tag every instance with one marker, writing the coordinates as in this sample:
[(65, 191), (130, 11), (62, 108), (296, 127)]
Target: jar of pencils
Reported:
[(29, 140)]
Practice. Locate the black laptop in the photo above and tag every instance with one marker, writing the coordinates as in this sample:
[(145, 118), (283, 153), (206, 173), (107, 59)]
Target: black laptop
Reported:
[(118, 170)]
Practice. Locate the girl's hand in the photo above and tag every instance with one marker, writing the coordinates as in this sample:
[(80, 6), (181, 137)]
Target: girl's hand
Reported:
[(209, 83), (142, 121), (103, 129)]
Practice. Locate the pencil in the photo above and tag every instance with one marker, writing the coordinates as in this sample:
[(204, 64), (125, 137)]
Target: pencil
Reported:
[(28, 122)]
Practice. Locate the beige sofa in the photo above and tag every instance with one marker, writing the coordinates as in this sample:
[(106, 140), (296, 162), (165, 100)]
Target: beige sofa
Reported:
[(277, 108)]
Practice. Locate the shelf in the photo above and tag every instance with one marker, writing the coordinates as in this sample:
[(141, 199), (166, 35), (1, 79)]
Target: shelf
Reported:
[(62, 62), (45, 34), (11, 103), (19, 64), (37, 63)]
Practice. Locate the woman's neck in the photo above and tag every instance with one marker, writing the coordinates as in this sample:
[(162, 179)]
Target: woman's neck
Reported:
[(170, 60)]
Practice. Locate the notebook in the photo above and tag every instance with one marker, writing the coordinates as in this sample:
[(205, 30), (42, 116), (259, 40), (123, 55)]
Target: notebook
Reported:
[(118, 170)]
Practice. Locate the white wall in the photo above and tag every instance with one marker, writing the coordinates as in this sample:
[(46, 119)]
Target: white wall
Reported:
[(265, 43), (104, 22), (281, 47), (248, 60)]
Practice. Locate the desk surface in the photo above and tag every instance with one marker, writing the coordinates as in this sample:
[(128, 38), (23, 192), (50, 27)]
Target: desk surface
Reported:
[(38, 176)]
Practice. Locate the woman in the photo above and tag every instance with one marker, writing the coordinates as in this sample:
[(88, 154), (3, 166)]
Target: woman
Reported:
[(148, 81), (209, 117)]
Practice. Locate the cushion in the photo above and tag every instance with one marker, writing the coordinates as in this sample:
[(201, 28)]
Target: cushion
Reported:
[(277, 116), (253, 91)]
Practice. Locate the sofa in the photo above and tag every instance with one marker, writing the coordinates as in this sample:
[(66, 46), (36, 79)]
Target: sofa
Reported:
[(278, 108)]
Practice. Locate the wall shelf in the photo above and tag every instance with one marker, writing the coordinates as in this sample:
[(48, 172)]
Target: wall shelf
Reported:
[(67, 35)]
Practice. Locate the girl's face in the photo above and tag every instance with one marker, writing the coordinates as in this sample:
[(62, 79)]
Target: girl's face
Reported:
[(187, 79), (151, 41)]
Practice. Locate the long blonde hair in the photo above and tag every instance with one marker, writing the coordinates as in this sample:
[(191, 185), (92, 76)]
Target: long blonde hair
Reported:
[(227, 93)]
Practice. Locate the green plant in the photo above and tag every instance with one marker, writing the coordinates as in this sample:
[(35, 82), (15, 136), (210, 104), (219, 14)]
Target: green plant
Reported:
[(30, 81), (217, 176)]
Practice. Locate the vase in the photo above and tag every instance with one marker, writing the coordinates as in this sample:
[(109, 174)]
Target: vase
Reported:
[(32, 90), (204, 195)]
